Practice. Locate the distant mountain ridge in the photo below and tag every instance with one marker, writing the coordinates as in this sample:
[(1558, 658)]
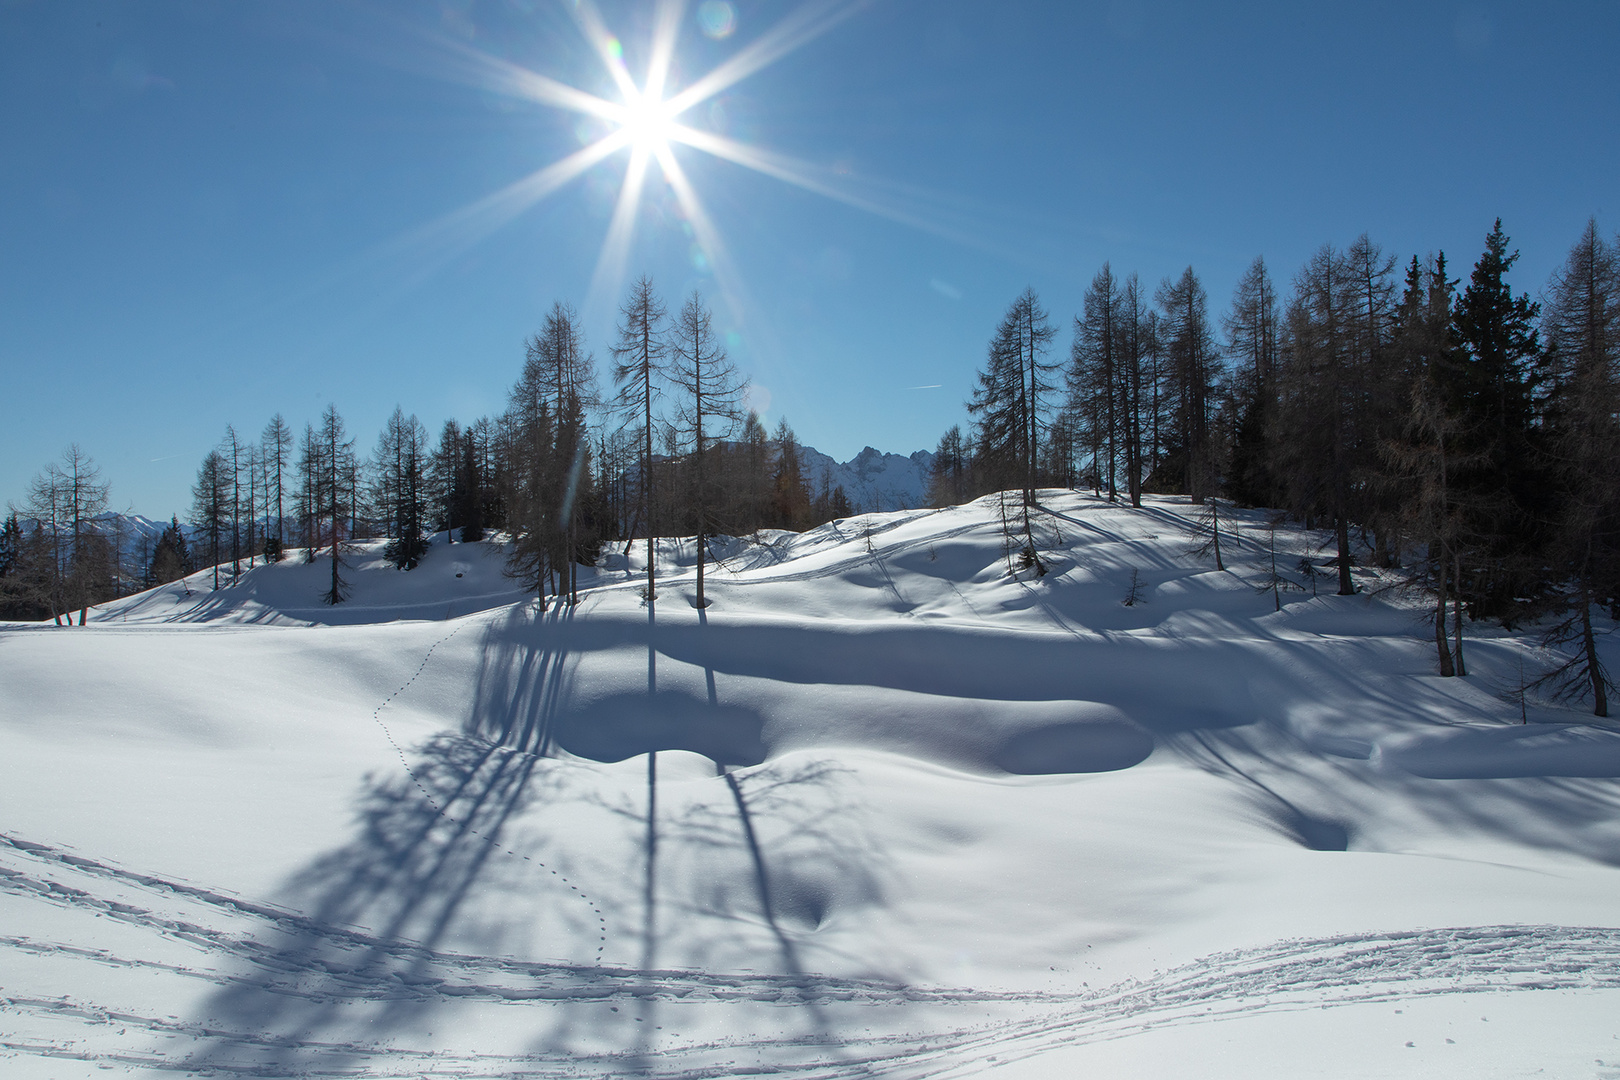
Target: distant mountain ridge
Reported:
[(872, 480), (130, 530)]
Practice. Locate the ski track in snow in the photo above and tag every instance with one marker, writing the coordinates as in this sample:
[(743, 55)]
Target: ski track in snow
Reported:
[(157, 928), (230, 942)]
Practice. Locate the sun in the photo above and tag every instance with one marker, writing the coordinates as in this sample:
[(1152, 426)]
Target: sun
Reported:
[(647, 123)]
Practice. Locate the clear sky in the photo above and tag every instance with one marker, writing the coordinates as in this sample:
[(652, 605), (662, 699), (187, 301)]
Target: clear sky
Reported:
[(212, 212)]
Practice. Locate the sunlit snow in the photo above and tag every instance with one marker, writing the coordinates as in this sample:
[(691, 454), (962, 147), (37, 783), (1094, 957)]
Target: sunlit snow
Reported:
[(888, 807)]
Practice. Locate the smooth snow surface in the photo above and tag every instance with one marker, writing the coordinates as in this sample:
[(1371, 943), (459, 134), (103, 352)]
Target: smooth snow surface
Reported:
[(885, 808)]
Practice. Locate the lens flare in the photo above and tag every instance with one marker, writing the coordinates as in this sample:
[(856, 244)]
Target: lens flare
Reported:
[(717, 18)]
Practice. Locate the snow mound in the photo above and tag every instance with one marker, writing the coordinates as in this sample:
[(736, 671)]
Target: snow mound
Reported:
[(451, 580), (1487, 753), (889, 802)]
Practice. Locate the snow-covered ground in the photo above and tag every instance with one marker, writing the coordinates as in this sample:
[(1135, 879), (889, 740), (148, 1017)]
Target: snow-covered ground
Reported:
[(883, 809)]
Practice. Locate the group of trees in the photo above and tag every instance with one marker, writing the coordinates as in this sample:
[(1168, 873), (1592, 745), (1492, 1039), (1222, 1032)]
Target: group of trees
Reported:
[(686, 458), (672, 451), (561, 472), (62, 560), (1138, 408), (62, 551), (1468, 437)]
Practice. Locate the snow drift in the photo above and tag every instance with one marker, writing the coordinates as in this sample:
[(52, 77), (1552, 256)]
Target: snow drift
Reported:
[(885, 807)]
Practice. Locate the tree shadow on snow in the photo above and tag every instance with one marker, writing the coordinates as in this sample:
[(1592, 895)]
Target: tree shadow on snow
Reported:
[(1335, 794), (354, 968), (489, 873)]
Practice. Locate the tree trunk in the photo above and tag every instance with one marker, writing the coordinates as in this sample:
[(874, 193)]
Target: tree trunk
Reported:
[(646, 483), (1346, 586), (1446, 669), (337, 595), (701, 549), (1594, 669), (1456, 611)]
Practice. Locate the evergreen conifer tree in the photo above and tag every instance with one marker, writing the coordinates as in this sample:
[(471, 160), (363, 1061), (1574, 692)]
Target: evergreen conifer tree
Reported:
[(1504, 488), (399, 487), (171, 560)]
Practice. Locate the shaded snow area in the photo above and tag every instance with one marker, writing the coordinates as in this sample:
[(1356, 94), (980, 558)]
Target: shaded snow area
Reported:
[(883, 809)]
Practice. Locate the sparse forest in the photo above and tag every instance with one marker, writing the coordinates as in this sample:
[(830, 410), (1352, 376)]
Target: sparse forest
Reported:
[(1462, 439), (1459, 435), (561, 473)]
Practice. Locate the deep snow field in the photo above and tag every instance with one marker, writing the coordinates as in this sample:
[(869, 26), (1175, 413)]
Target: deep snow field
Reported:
[(883, 809)]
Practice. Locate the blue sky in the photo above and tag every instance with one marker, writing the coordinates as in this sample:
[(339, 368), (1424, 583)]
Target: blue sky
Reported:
[(213, 212)]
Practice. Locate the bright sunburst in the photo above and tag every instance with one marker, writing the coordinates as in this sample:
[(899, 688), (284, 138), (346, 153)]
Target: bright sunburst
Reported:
[(648, 124), (644, 124)]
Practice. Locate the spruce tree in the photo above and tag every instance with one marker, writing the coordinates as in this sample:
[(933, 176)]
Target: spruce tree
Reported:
[(1012, 402), (11, 541), (1503, 486), (470, 485), (399, 488), (25, 586), (443, 480), (171, 559), (12, 602)]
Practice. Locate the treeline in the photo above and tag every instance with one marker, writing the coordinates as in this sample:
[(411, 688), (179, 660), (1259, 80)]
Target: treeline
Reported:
[(1460, 437), (1469, 437), (561, 472), (65, 559)]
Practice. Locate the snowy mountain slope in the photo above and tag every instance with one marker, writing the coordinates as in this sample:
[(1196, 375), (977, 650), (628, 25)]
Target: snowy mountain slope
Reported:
[(873, 480), (133, 535), (882, 809)]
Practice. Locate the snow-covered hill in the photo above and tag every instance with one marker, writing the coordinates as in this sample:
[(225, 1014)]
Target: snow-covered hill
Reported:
[(883, 809)]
